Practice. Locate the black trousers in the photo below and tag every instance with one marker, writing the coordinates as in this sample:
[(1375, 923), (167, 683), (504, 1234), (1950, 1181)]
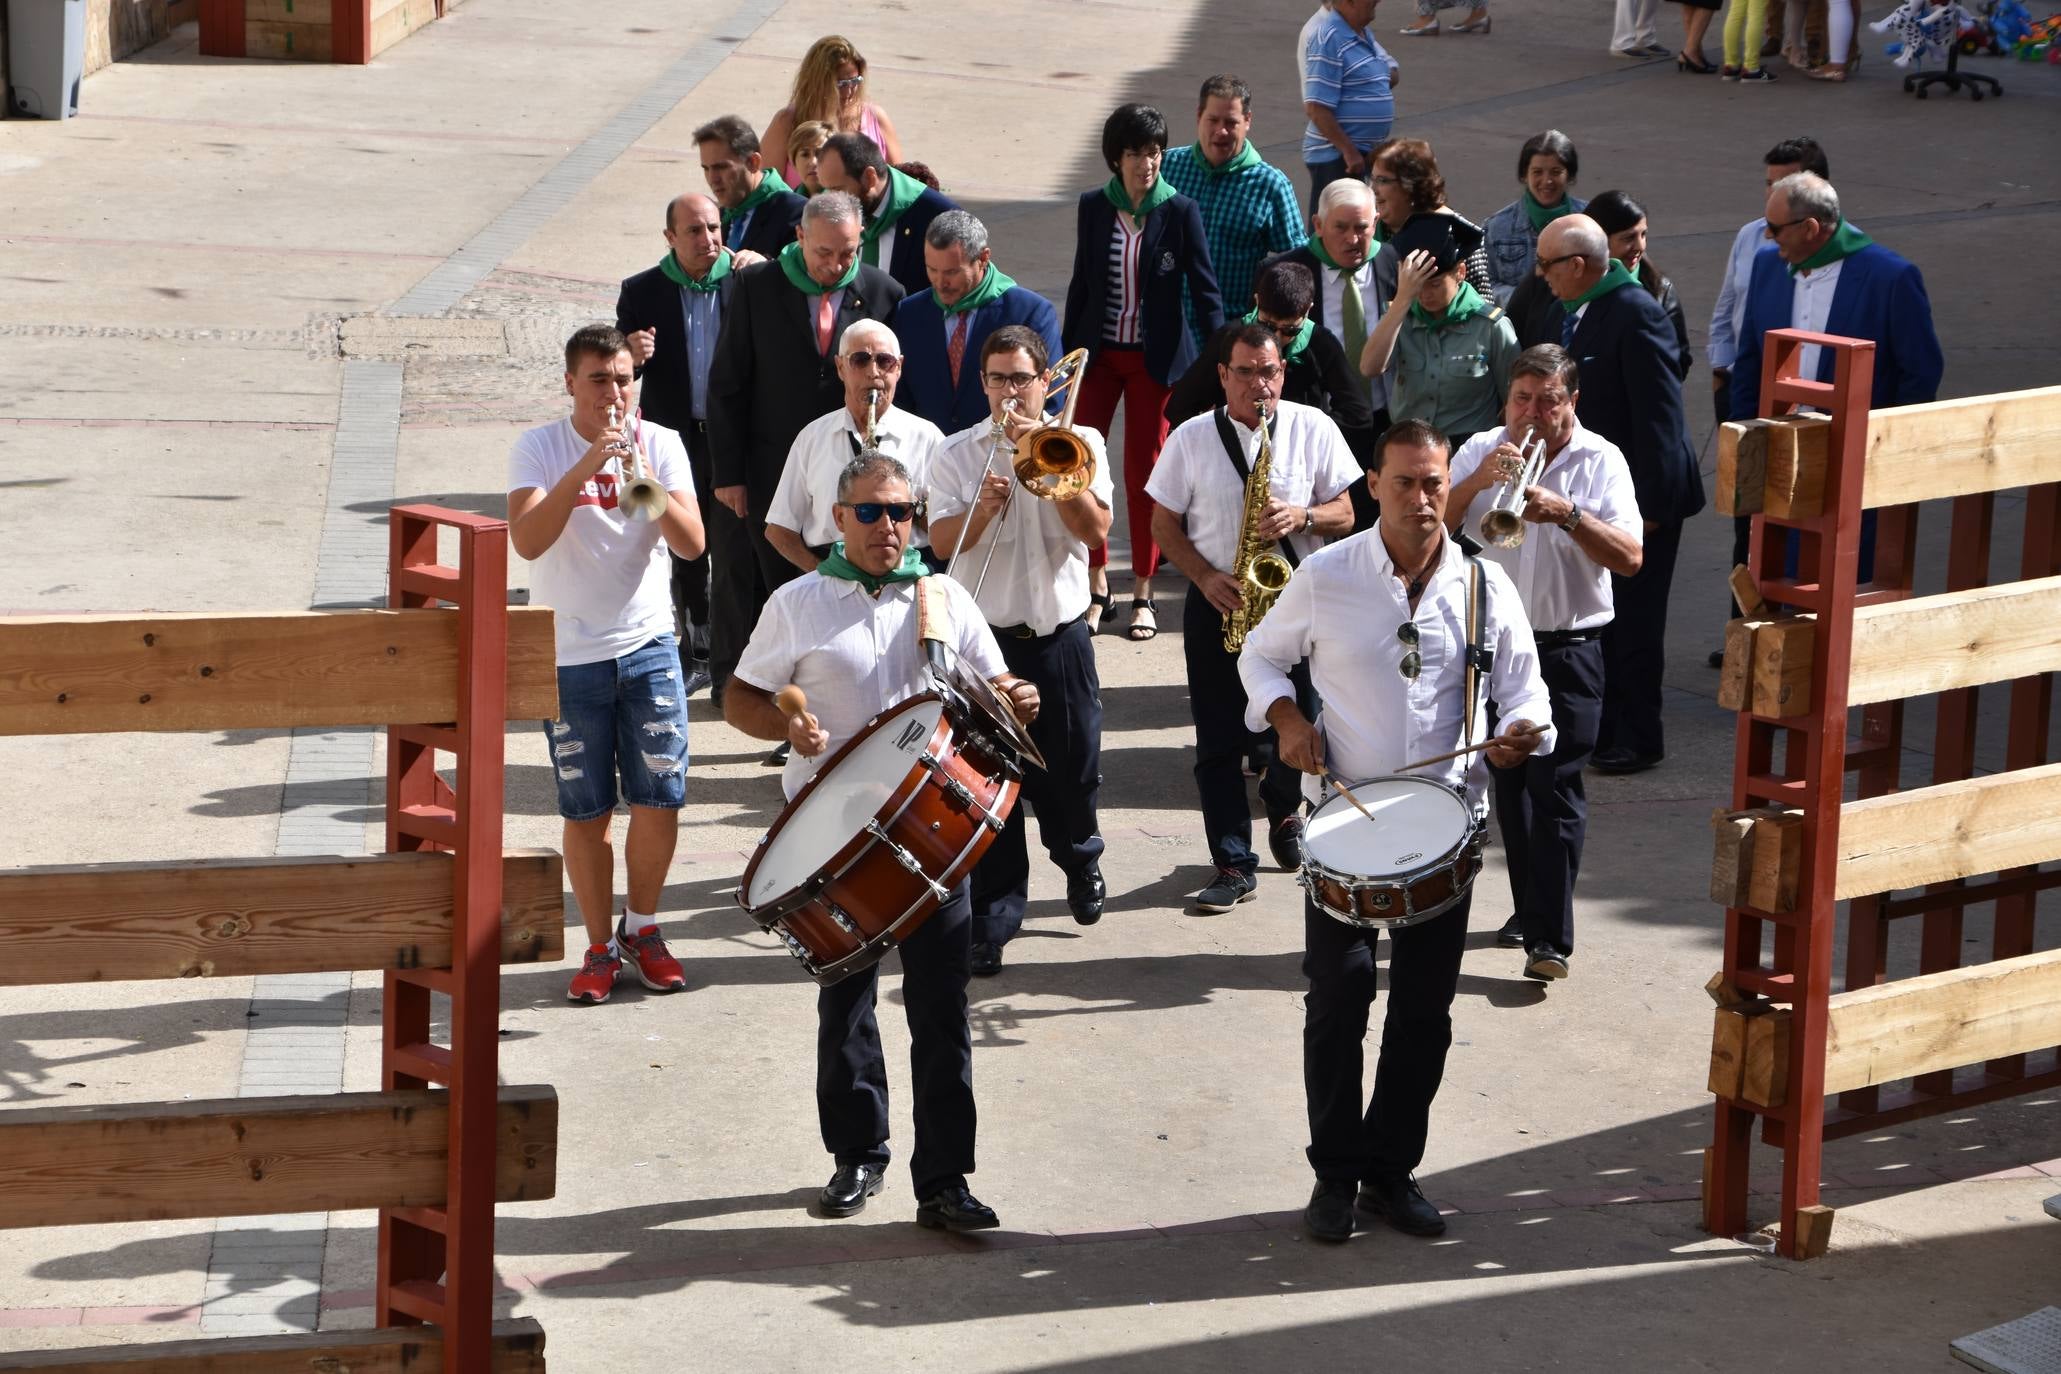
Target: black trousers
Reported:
[(1068, 732), (1542, 808), (1366, 510), (1216, 701), (1635, 648), (1349, 1142), (851, 1071), (691, 575)]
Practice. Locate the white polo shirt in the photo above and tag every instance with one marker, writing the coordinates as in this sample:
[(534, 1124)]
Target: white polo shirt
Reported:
[(1195, 479), (808, 483)]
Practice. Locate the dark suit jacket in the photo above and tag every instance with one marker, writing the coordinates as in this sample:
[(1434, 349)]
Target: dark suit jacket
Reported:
[(1632, 396), (1879, 296), (1320, 378), (901, 247), (648, 299), (1536, 314), (926, 387), (1172, 249), (773, 224), (768, 380)]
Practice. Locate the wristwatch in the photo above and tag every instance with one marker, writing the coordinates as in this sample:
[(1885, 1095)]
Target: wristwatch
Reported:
[(1573, 520), (1309, 520)]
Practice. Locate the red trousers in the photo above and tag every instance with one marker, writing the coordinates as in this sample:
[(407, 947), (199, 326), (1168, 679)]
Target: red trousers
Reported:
[(1118, 374)]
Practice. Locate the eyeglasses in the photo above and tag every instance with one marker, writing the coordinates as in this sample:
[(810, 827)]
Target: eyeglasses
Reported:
[(1379, 180), (1413, 662), (1009, 381), (1265, 372), (850, 83), (867, 512), (887, 362), (1546, 265), (1774, 231), (1285, 329)]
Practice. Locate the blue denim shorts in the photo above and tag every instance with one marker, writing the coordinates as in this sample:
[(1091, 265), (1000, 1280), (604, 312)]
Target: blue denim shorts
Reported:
[(623, 716)]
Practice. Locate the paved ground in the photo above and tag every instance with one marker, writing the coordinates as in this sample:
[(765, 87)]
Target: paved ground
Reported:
[(179, 268)]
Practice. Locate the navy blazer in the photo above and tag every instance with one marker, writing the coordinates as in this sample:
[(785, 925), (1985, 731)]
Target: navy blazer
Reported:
[(903, 260), (1879, 296), (772, 225), (665, 395), (926, 387), (1171, 250), (1632, 396)]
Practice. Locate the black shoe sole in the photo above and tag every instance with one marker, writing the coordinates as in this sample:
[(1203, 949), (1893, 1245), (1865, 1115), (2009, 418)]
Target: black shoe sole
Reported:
[(1374, 1209), (937, 1221), (852, 1209), (1325, 1234), (1218, 908)]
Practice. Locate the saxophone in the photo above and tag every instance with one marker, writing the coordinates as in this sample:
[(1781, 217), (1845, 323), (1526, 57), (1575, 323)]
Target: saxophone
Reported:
[(1260, 572)]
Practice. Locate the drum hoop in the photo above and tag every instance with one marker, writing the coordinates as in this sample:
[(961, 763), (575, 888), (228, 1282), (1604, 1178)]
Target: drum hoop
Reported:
[(1469, 839)]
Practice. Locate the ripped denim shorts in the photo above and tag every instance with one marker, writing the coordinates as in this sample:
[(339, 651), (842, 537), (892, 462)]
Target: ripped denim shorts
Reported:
[(624, 715)]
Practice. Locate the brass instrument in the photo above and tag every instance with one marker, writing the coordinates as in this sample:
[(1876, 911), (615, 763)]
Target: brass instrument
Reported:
[(1052, 462), (1503, 525), (638, 494), (873, 418), (1261, 573)]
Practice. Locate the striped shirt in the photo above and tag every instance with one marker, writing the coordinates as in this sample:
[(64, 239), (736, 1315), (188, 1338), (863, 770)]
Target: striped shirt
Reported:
[(1247, 216), (1347, 70), (1126, 287)]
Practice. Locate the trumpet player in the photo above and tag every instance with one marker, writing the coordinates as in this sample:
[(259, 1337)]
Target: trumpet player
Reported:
[(1026, 560), (1206, 508), (593, 546), (1580, 524)]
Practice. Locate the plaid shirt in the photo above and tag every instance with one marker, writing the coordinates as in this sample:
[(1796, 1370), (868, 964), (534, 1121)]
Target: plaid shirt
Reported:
[(1246, 217)]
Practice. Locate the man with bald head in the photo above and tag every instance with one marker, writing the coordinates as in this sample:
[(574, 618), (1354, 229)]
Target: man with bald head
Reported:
[(1625, 348)]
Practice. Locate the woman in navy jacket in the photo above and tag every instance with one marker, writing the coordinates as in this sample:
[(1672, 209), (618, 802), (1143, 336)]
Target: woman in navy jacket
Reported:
[(1140, 246)]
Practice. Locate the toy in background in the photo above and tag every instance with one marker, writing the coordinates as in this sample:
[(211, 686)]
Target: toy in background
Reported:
[(1923, 29), (2041, 42), (2005, 22)]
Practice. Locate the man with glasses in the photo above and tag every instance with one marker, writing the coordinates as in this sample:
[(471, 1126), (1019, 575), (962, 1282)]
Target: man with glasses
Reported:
[(1199, 487), (1381, 622), (846, 634), (1027, 561), (945, 329), (1583, 525), (800, 522)]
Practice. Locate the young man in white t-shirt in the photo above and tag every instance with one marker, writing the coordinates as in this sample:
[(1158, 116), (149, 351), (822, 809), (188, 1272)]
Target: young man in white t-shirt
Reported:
[(621, 699)]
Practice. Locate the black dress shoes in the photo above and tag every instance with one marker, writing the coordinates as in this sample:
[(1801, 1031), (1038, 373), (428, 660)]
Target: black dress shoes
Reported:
[(1401, 1203), (956, 1209), (1284, 839), (1511, 934), (1544, 963), (1084, 893), (986, 961), (846, 1192), (1617, 760), (1329, 1217)]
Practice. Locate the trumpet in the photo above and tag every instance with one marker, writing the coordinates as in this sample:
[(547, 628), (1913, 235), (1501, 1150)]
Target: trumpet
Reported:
[(1052, 462), (1503, 525), (638, 494)]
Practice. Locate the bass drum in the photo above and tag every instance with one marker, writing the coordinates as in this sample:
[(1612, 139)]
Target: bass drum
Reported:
[(1413, 861)]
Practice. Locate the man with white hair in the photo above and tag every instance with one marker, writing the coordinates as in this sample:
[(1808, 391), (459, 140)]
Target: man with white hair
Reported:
[(1340, 255), (943, 329)]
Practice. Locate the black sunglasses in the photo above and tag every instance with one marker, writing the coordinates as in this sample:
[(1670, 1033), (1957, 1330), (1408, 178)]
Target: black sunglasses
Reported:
[(888, 361), (1413, 662), (866, 512)]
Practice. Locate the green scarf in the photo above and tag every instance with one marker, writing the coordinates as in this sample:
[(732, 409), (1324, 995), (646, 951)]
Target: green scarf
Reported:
[(677, 274), (1291, 355), (1617, 276), (1466, 301), (790, 261), (1243, 160), (1317, 250), (1162, 191), (770, 185), (911, 567), (1382, 233), (1844, 243), (992, 285), (1543, 215), (901, 193)]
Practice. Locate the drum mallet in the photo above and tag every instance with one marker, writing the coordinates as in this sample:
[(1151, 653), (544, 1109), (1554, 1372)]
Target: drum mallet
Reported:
[(792, 702)]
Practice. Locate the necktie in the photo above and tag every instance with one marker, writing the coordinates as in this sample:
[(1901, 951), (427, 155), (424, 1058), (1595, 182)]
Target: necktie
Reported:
[(1352, 324), (1567, 328), (734, 239), (826, 320), (955, 350)]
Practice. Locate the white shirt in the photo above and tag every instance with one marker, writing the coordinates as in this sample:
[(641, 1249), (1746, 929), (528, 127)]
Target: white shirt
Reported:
[(1040, 574), (607, 576), (1560, 587), (854, 654), (1810, 305), (1728, 315), (808, 483), (1341, 610), (1195, 480), (1331, 281)]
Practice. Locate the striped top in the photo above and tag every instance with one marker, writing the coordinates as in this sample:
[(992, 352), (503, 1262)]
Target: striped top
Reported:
[(1347, 70), (1126, 297)]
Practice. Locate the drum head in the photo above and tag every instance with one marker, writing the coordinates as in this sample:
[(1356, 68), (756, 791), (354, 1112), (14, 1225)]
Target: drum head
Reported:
[(842, 798), (1416, 822), (981, 695)]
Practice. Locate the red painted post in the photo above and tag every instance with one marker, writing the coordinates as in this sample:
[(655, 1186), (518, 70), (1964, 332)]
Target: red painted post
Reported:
[(350, 31), (222, 33)]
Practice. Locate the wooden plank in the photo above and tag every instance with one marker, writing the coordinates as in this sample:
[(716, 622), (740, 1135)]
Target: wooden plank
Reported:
[(287, 41), (1813, 1231), (1735, 678), (1952, 830), (63, 1166), (1797, 454), (1728, 1047), (518, 1348), (1943, 1020), (1958, 639), (1731, 864), (1951, 448), (288, 11), (1777, 860), (1764, 1075), (1746, 590), (1742, 467), (1782, 654), (393, 20), (230, 918), (79, 674)]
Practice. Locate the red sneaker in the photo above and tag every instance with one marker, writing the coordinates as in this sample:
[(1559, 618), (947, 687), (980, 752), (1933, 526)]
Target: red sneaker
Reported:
[(596, 978), (655, 965)]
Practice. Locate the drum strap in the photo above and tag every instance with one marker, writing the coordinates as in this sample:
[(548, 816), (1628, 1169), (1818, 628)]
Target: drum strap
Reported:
[(930, 632), (1480, 658)]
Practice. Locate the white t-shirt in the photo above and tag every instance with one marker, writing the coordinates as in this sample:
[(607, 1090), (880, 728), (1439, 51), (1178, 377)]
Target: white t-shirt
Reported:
[(808, 483), (1194, 477), (607, 577)]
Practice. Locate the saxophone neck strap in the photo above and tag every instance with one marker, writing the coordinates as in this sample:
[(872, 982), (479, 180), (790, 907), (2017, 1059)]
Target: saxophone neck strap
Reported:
[(1228, 434)]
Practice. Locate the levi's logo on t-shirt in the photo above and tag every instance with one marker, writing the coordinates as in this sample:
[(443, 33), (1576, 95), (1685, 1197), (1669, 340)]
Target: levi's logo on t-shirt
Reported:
[(599, 491)]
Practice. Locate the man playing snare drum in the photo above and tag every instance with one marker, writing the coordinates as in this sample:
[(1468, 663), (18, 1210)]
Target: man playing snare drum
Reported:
[(1383, 618), (846, 634)]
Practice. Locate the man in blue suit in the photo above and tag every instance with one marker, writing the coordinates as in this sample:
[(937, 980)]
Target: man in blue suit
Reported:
[(898, 207), (942, 329)]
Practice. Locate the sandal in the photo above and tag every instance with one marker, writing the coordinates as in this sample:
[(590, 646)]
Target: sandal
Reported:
[(1144, 622), (1098, 603)]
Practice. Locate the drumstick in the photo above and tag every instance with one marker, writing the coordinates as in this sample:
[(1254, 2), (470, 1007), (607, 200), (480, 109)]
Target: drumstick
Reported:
[(1528, 732), (1347, 793)]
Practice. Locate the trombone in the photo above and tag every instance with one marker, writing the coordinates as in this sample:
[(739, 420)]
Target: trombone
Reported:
[(638, 494), (1503, 524)]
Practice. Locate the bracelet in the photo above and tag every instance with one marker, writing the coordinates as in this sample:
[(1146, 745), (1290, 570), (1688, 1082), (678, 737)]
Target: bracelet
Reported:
[(1309, 520)]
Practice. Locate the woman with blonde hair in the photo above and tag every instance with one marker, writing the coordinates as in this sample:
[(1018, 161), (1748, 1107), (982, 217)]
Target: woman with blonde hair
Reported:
[(830, 85), (803, 145)]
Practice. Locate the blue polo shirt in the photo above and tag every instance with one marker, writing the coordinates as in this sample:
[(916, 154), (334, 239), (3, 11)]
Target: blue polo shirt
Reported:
[(1348, 71)]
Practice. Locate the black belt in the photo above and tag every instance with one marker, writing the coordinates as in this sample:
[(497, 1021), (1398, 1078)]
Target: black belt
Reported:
[(698, 426), (1560, 639), (1026, 632)]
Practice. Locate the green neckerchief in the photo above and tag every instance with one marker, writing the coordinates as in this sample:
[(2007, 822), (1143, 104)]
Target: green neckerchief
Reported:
[(1323, 255), (1543, 215), (770, 185), (992, 285), (1293, 353), (677, 274), (1617, 276), (1844, 243), (1382, 233), (1245, 158), (901, 193), (1466, 301), (791, 263), (836, 564), (1162, 191)]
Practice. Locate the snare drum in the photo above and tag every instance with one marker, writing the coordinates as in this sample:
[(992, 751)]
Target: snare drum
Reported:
[(1413, 861), (875, 841)]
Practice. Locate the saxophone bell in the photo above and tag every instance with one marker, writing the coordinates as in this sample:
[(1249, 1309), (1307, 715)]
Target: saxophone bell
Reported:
[(1261, 573)]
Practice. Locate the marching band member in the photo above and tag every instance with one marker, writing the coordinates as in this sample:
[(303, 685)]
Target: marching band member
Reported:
[(1383, 619), (846, 634), (1584, 526), (1035, 597), (618, 658), (1200, 487)]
